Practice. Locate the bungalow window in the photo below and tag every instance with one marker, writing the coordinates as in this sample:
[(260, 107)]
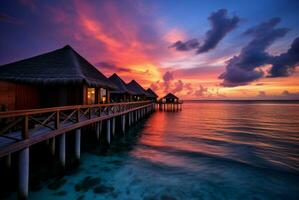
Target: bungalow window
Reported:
[(91, 95), (103, 95)]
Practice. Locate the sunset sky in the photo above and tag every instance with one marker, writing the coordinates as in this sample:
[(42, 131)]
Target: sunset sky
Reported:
[(195, 49)]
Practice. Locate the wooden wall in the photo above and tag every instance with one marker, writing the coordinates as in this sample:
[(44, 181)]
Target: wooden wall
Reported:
[(7, 94), (18, 96), (52, 96)]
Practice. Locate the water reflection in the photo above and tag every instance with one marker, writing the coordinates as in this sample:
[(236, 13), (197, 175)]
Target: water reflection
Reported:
[(206, 151)]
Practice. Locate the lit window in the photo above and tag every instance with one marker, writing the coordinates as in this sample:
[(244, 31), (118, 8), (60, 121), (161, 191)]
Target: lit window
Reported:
[(91, 96)]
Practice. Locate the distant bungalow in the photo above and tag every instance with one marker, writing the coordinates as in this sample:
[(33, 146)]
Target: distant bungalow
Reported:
[(58, 78), (170, 98), (140, 93), (151, 95), (122, 93)]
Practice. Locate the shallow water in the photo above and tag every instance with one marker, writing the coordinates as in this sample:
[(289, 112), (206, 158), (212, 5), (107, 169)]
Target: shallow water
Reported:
[(209, 150)]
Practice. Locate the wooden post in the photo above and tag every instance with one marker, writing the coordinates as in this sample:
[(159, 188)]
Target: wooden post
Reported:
[(136, 116), (8, 161), (62, 150), (123, 122), (52, 146), (77, 144), (25, 128), (113, 126), (57, 120), (108, 131), (23, 173), (99, 130)]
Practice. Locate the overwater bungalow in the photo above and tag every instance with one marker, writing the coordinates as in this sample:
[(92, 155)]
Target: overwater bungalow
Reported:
[(151, 95), (140, 93), (57, 78), (122, 94), (170, 98)]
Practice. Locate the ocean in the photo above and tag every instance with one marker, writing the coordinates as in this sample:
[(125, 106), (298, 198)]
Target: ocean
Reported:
[(208, 150)]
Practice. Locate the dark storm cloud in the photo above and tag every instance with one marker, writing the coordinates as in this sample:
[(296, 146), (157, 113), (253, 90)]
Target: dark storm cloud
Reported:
[(244, 68), (221, 25), (285, 64)]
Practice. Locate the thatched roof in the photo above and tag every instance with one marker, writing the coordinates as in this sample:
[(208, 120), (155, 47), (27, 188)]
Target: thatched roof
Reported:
[(61, 66), (170, 96), (135, 87), (120, 84), (151, 93)]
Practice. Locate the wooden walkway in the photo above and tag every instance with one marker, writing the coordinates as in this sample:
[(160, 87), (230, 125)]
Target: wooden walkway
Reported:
[(21, 129)]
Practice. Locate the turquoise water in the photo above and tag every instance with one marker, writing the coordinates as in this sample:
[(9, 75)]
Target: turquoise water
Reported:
[(209, 150)]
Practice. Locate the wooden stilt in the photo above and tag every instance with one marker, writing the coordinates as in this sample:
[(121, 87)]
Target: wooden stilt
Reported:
[(77, 144), (99, 130), (23, 173), (62, 150), (113, 126), (108, 131), (123, 117), (8, 161), (52, 145)]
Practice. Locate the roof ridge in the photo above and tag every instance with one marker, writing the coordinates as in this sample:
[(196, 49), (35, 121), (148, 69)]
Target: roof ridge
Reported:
[(71, 52)]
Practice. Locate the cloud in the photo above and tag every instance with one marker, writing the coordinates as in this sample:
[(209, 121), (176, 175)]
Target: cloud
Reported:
[(245, 68), (201, 91), (109, 66), (289, 96), (262, 94), (186, 46), (169, 84), (188, 88), (221, 24), (178, 86), (284, 64), (284, 95), (168, 76)]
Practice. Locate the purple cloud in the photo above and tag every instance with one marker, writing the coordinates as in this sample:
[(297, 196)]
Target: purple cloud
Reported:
[(221, 24), (244, 68), (284, 64)]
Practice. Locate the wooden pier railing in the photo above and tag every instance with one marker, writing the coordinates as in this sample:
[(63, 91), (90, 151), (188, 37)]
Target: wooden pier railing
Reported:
[(19, 129)]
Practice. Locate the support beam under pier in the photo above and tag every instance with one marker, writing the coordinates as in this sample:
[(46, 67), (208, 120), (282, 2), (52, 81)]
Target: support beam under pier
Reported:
[(113, 126), (23, 173), (52, 145), (99, 126), (62, 150), (123, 123), (78, 144), (108, 131)]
